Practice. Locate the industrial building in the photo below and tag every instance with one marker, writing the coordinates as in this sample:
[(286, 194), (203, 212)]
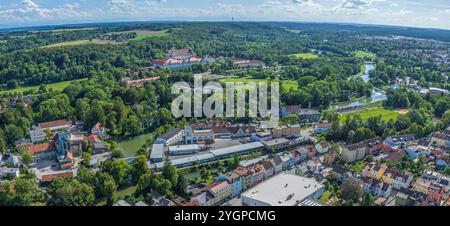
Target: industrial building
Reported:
[(291, 190), (157, 153), (212, 155)]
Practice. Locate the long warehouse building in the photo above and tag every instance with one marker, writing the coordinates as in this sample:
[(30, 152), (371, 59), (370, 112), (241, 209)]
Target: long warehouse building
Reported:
[(213, 155)]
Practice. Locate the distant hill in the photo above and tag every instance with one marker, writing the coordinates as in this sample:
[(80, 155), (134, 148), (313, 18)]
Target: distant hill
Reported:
[(380, 30)]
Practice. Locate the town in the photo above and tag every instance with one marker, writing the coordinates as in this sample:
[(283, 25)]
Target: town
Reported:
[(356, 128)]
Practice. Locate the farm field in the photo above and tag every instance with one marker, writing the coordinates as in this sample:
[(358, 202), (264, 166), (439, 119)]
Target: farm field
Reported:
[(59, 86), (386, 115), (304, 56)]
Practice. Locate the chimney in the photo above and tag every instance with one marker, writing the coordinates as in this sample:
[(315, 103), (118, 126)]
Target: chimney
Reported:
[(309, 105)]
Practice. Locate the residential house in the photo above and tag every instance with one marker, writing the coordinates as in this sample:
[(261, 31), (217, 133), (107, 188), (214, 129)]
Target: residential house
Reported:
[(353, 152), (235, 181), (435, 193), (99, 130), (416, 151), (396, 156), (220, 191), (37, 134), (245, 176), (376, 187), (373, 170), (22, 144), (393, 143), (373, 146), (257, 173), (440, 140), (9, 172), (396, 179), (278, 163), (12, 160), (313, 166), (329, 158), (269, 169), (340, 173), (322, 147)]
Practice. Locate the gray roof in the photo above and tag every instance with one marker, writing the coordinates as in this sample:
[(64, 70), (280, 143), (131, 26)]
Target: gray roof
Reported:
[(187, 160), (273, 142), (237, 149), (170, 134), (157, 151), (99, 146)]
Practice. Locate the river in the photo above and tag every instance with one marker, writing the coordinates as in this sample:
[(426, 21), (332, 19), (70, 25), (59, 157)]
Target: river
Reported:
[(132, 145), (376, 96)]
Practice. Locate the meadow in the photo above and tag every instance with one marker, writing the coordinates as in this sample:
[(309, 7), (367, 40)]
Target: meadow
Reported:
[(304, 56), (59, 86), (364, 54), (385, 114)]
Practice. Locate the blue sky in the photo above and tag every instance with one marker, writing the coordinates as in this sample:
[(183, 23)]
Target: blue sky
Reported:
[(417, 13)]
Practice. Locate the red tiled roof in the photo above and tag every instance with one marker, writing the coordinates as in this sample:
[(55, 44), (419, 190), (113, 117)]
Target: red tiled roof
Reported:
[(93, 138), (219, 186), (38, 148), (45, 125), (51, 177)]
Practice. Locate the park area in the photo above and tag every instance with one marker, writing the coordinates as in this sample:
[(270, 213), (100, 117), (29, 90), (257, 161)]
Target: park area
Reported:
[(385, 114)]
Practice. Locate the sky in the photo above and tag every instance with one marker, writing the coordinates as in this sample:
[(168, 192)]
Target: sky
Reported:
[(414, 13)]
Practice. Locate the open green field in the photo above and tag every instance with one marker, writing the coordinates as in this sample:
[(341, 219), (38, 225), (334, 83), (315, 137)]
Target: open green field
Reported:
[(386, 115), (59, 86), (79, 42), (285, 84), (364, 54), (140, 37), (304, 56)]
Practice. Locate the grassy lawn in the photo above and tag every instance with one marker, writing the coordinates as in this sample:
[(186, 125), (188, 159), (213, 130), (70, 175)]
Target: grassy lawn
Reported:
[(59, 86), (285, 84), (386, 115), (140, 37), (364, 54), (304, 56), (120, 194), (375, 105), (325, 197)]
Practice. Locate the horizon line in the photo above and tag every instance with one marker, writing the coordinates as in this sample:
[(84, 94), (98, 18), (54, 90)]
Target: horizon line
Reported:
[(30, 27)]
